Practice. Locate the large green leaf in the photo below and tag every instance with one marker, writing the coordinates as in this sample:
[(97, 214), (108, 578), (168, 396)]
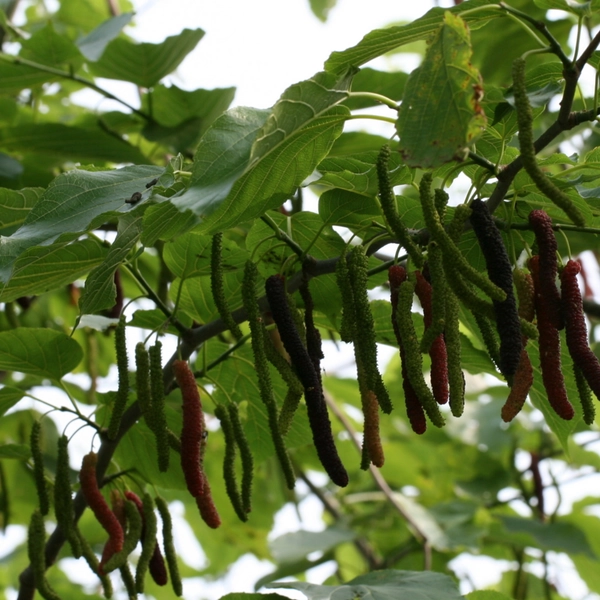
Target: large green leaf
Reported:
[(43, 268), (295, 137), (145, 64), (380, 41), (93, 44), (42, 352), (440, 116), (382, 585), (69, 142), (99, 292), (71, 204)]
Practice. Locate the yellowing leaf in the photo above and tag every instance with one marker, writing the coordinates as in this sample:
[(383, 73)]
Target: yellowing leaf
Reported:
[(440, 116)]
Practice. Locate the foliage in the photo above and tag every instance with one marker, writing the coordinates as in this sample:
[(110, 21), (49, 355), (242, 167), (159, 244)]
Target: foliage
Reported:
[(110, 213)]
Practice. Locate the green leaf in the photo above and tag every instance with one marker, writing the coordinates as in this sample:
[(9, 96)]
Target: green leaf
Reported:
[(15, 206), (358, 173), (220, 159), (487, 595), (321, 8), (41, 352), (18, 451), (296, 136), (145, 64), (47, 47), (382, 585), (9, 396), (189, 255), (69, 142), (43, 268), (173, 108), (84, 15), (348, 209), (15, 77), (290, 547), (440, 116), (164, 222), (99, 292), (93, 44), (70, 205), (559, 536), (380, 41)]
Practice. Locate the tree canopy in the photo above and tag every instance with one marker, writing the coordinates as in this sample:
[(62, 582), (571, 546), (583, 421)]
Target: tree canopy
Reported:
[(168, 296)]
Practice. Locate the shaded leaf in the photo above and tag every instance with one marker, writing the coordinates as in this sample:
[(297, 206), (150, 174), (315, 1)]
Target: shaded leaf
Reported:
[(145, 64), (69, 142), (38, 351), (358, 173), (100, 290), (440, 116), (173, 108)]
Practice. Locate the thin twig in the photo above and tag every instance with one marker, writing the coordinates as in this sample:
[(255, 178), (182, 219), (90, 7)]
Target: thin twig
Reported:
[(377, 477)]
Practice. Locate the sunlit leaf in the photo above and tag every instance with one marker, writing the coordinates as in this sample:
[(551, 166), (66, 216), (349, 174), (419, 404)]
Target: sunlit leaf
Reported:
[(440, 116)]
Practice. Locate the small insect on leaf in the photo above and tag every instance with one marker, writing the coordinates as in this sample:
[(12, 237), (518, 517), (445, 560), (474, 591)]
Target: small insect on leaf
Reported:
[(135, 198)]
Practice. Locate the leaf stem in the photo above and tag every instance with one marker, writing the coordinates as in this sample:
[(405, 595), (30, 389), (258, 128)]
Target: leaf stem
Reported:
[(378, 97), (373, 118), (282, 236), (483, 162)]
